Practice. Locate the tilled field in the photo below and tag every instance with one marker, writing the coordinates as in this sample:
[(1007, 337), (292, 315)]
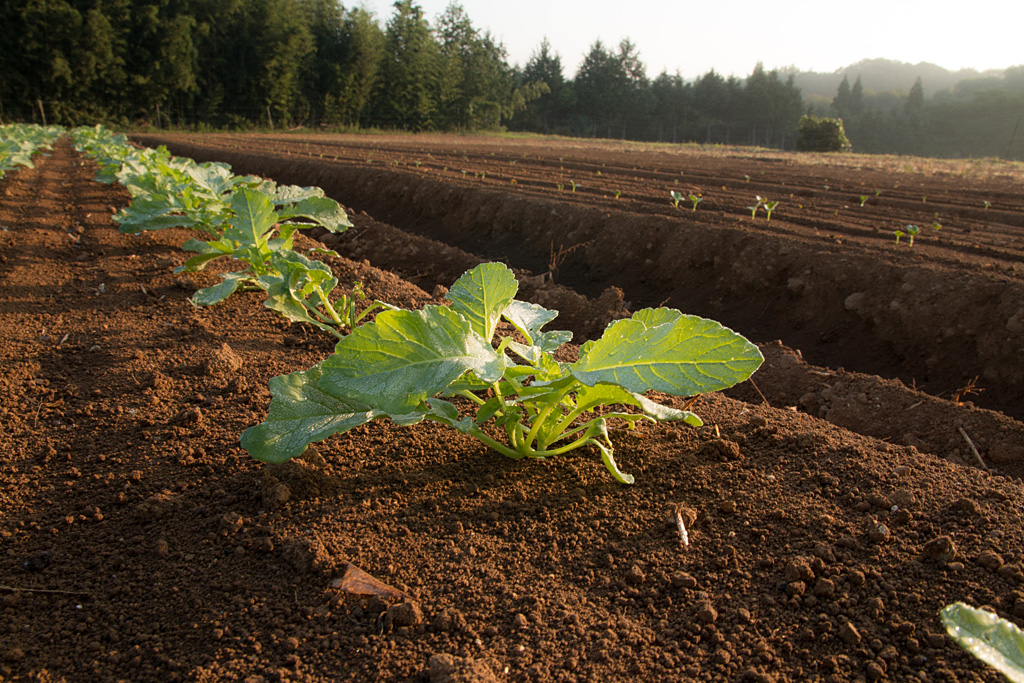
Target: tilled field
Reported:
[(140, 542)]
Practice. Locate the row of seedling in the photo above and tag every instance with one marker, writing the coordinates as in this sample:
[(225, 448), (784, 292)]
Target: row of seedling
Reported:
[(245, 218), (19, 142), (409, 365)]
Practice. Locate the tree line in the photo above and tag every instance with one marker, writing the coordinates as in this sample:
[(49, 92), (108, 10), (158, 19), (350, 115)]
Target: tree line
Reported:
[(316, 63), (980, 117), (309, 63)]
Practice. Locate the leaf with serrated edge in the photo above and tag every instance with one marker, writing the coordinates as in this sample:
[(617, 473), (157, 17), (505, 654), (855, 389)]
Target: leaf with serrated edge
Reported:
[(528, 318), (686, 357), (321, 210), (301, 412), (482, 295), (405, 357), (997, 642), (254, 216)]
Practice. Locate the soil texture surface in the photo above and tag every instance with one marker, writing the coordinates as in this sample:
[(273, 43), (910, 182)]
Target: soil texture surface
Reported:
[(811, 530)]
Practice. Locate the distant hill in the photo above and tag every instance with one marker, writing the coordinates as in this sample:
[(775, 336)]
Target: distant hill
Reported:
[(884, 75)]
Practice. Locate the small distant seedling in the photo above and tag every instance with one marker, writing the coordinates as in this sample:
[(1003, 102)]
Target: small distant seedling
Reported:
[(746, 177), (618, 193), (769, 207), (924, 199), (878, 193), (755, 207), (695, 199), (936, 225), (464, 172), (574, 185), (418, 163), (863, 199), (560, 187), (676, 198), (987, 204), (911, 232)]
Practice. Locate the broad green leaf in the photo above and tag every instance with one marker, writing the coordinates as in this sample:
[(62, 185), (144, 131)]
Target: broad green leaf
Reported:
[(321, 210), (214, 178), (254, 217), (292, 194), (482, 295), (198, 262), (528, 319), (997, 642), (405, 357), (652, 317), (683, 358), (217, 293), (446, 413), (301, 412)]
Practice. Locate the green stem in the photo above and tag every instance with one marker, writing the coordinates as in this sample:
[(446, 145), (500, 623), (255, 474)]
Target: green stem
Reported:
[(466, 393), (327, 305), (539, 420)]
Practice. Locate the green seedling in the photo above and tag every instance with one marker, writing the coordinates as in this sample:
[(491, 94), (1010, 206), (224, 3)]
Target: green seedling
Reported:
[(898, 234), (560, 187), (676, 198), (755, 207), (618, 193), (936, 225), (512, 395), (912, 231), (418, 163), (746, 177), (924, 199), (769, 207), (574, 185), (987, 204), (695, 199), (995, 641), (863, 199)]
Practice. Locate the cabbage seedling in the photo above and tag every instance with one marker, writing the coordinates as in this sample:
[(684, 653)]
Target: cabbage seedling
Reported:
[(676, 198), (863, 199), (695, 199), (912, 230), (574, 186), (406, 365), (755, 207), (898, 234), (987, 204), (618, 193), (769, 207)]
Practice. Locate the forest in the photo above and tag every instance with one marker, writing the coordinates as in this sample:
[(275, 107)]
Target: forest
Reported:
[(204, 64)]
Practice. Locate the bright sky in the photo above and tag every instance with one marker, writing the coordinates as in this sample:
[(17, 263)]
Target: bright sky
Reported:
[(733, 36)]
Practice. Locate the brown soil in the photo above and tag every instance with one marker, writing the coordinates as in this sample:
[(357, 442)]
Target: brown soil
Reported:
[(140, 542)]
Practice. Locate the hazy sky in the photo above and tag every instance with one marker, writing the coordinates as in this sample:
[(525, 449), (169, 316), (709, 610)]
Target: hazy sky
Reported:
[(732, 36)]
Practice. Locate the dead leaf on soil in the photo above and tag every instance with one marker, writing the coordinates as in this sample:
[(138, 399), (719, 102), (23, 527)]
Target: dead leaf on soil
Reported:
[(358, 582)]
